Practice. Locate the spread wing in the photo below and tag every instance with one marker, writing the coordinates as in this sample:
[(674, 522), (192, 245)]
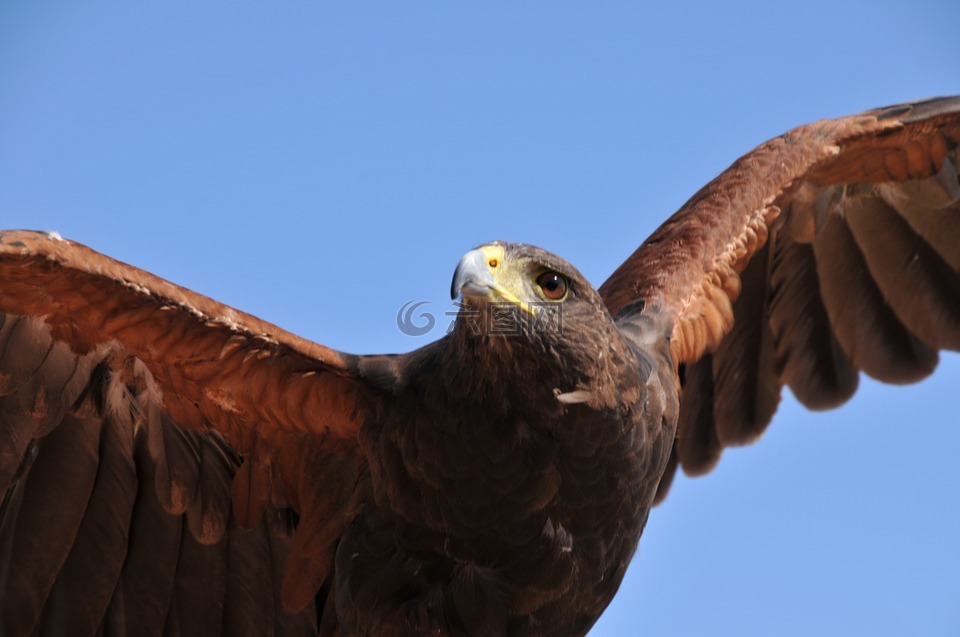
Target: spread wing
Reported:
[(127, 406), (830, 250)]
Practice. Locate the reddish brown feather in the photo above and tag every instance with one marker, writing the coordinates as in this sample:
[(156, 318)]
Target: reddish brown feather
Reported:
[(24, 345), (931, 208), (40, 381), (78, 564), (219, 359), (938, 228), (698, 448), (249, 607), (700, 247), (286, 623), (200, 583), (178, 460), (324, 516), (867, 329), (142, 598), (691, 266), (256, 561), (208, 514), (88, 578), (746, 388), (874, 151), (58, 487), (810, 360), (250, 491), (921, 289)]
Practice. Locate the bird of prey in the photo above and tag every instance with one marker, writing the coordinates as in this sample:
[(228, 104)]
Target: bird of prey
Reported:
[(170, 465)]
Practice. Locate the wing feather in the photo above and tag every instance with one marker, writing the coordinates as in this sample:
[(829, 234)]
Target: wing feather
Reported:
[(920, 287), (39, 381), (131, 400), (200, 585), (928, 206), (809, 358), (250, 603), (98, 552), (868, 329), (209, 513), (58, 487), (698, 446), (832, 249), (142, 598), (227, 368), (747, 390)]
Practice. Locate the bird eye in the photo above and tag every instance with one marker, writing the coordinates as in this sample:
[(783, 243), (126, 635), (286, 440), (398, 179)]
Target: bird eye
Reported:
[(554, 285)]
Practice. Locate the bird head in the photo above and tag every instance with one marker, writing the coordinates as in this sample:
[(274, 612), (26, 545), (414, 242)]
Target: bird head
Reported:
[(513, 289)]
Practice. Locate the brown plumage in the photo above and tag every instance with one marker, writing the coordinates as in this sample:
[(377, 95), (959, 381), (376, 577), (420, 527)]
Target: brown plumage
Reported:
[(171, 465)]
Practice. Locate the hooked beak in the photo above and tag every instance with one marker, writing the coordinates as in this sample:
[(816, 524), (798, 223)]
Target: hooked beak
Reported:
[(476, 277), (473, 276)]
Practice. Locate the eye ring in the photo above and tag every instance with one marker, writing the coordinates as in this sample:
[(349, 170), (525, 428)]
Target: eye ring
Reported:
[(553, 285)]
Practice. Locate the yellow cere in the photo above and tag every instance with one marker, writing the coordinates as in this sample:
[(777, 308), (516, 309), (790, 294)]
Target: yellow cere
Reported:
[(493, 255)]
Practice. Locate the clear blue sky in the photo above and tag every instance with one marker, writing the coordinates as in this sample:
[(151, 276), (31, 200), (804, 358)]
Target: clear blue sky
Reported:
[(321, 164)]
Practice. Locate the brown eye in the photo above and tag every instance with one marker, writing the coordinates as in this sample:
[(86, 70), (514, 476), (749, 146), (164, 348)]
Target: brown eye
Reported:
[(554, 285)]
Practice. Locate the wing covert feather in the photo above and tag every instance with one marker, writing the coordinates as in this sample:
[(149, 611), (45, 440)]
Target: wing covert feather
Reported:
[(125, 403), (216, 365)]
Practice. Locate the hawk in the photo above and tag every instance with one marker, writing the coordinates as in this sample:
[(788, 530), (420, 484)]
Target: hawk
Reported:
[(171, 465)]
